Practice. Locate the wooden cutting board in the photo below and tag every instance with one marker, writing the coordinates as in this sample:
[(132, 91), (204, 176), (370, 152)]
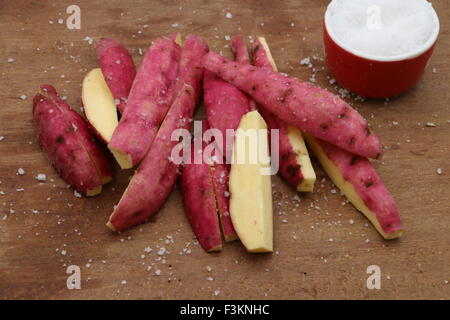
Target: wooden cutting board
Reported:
[(323, 245)]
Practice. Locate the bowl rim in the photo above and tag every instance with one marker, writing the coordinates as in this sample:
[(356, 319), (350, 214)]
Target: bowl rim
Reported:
[(410, 55)]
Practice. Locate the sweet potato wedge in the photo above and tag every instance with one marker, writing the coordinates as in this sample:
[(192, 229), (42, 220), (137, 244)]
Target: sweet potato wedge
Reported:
[(225, 105), (68, 143), (357, 179), (221, 176), (156, 176), (98, 105), (303, 105), (148, 102), (251, 189), (118, 69), (199, 201), (295, 164)]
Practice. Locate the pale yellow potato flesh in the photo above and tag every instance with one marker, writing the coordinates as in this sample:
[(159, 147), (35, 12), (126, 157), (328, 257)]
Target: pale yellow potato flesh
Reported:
[(296, 139), (251, 191), (99, 105), (302, 155), (347, 188)]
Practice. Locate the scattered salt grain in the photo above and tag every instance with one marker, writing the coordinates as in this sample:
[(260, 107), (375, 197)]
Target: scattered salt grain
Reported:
[(210, 278), (208, 268), (2, 138), (229, 15), (351, 221), (306, 62), (41, 177), (174, 25), (20, 172), (431, 124), (77, 194), (217, 292), (10, 60), (158, 272), (161, 251), (89, 40), (60, 20), (23, 97), (63, 252), (439, 171), (123, 282)]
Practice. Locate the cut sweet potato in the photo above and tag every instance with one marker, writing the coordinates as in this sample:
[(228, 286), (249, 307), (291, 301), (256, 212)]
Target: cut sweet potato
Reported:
[(303, 105), (157, 174), (148, 102), (225, 105), (199, 201), (99, 106), (295, 164), (221, 175), (68, 143), (118, 69), (357, 179), (250, 188)]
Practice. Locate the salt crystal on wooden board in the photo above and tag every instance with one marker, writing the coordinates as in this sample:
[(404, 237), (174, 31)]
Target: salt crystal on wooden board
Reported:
[(382, 28)]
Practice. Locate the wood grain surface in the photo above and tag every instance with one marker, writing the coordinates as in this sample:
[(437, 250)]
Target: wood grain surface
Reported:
[(323, 246)]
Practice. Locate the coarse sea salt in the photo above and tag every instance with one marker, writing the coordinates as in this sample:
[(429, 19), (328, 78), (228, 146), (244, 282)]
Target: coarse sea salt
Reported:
[(382, 28)]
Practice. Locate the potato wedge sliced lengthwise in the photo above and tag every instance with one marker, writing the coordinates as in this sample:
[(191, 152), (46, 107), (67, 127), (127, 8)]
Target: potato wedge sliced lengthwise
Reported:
[(205, 194), (149, 100), (99, 105), (117, 68), (250, 185), (357, 179), (302, 105), (69, 145)]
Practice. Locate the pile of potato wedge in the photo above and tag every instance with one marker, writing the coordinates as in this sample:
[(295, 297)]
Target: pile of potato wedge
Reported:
[(133, 115)]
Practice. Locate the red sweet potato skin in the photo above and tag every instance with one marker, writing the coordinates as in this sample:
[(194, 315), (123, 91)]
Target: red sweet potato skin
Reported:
[(362, 175), (193, 47), (303, 105), (156, 176), (66, 140), (240, 50), (98, 155), (221, 175), (149, 100), (290, 169), (200, 205), (199, 200), (225, 105), (118, 69), (241, 56)]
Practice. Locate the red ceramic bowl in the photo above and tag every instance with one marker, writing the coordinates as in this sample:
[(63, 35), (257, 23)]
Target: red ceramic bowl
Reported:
[(375, 77)]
